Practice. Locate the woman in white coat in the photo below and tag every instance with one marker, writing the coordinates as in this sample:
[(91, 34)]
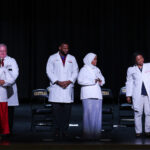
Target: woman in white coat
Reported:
[(138, 87), (91, 79)]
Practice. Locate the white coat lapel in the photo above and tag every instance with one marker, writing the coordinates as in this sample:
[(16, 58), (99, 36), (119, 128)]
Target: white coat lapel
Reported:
[(138, 70), (143, 70), (7, 62), (144, 73), (58, 58), (68, 62)]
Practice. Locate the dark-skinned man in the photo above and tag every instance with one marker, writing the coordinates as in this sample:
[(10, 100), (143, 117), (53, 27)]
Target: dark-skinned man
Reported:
[(62, 71)]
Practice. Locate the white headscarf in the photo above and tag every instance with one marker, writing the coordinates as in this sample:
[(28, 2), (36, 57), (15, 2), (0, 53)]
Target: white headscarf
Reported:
[(88, 60)]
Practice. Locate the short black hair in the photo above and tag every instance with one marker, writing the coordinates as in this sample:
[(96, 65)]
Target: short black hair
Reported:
[(135, 54), (63, 42)]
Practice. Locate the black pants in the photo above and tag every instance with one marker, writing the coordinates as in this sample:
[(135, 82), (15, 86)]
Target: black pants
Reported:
[(62, 112), (11, 117)]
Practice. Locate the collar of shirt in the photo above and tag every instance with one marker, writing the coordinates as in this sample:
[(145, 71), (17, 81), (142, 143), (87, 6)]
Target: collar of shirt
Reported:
[(63, 57), (141, 69)]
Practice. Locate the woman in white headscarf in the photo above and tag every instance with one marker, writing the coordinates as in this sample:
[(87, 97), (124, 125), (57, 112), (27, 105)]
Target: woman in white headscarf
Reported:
[(91, 79)]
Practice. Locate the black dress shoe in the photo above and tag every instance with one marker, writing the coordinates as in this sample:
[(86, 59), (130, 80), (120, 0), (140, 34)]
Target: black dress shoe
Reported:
[(64, 134), (147, 134), (138, 135), (56, 134)]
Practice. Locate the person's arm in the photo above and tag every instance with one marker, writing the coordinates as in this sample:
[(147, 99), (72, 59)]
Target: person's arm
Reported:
[(11, 72), (75, 71), (129, 85), (102, 79), (84, 78), (50, 71), (14, 70)]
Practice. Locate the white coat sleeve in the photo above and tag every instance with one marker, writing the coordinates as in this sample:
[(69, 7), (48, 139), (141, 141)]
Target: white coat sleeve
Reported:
[(84, 79), (14, 70), (129, 82), (101, 78), (75, 71), (50, 71)]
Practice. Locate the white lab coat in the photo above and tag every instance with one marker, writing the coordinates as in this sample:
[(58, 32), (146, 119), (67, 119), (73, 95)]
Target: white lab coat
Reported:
[(57, 72), (86, 78), (4, 75), (134, 84), (11, 66)]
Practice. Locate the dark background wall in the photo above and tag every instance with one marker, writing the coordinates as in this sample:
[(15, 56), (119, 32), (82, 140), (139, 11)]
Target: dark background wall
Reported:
[(112, 29)]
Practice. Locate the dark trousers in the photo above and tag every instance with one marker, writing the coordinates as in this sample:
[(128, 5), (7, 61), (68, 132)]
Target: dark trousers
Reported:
[(62, 112), (11, 117)]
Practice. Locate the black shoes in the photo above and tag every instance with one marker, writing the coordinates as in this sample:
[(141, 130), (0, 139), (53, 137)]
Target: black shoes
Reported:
[(56, 134), (147, 134), (65, 135), (138, 135), (61, 135)]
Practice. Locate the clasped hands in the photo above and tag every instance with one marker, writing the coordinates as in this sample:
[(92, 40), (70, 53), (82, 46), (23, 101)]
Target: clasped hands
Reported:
[(98, 80), (63, 84)]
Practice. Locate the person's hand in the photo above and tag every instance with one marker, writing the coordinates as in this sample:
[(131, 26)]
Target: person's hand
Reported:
[(63, 84), (98, 80), (60, 83), (66, 83), (128, 99), (2, 82)]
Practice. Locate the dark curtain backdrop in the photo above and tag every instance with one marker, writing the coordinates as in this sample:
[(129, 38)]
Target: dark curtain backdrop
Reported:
[(112, 29)]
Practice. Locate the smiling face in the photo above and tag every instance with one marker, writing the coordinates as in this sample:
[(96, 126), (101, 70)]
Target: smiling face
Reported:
[(139, 60), (3, 51), (94, 62)]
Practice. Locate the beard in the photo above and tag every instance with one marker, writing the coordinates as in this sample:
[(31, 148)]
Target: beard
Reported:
[(63, 53)]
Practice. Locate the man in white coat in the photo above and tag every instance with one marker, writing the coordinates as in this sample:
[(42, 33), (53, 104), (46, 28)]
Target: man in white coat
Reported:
[(8, 75), (138, 87), (62, 71), (12, 93)]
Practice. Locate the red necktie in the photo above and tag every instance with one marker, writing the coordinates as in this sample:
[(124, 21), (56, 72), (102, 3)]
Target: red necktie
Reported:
[(2, 62)]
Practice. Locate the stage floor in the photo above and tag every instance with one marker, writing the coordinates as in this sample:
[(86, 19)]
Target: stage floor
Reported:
[(116, 138)]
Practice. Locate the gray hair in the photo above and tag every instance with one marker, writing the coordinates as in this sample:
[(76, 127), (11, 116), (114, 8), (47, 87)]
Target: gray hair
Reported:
[(3, 45)]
